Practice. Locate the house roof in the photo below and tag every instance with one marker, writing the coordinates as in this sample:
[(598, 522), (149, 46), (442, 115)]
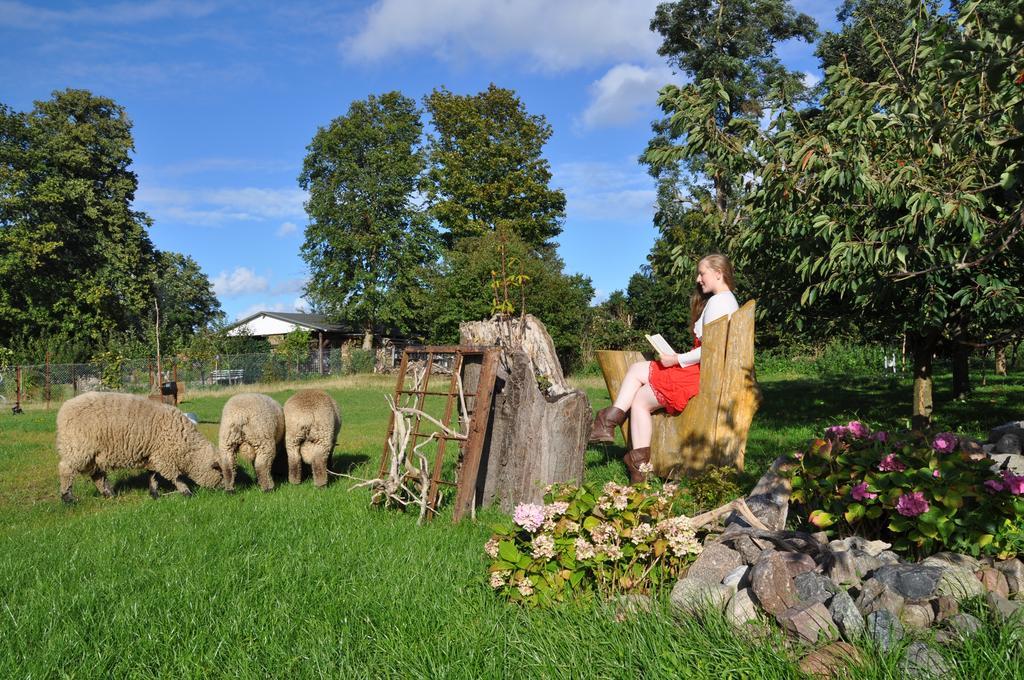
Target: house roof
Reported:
[(263, 323)]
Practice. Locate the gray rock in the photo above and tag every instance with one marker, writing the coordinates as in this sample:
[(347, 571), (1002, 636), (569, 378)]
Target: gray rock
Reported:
[(846, 615), (737, 578), (842, 569), (865, 563), (1005, 610), (798, 563), (747, 549), (1012, 462), (772, 583), (1009, 444), (626, 607), (1013, 569), (740, 609), (1013, 427), (872, 548), (921, 661), (945, 607), (889, 557), (884, 629), (964, 626), (912, 582), (831, 661), (812, 587), (877, 596), (769, 499), (959, 583), (714, 563), (809, 621), (693, 596), (971, 446), (919, 616), (943, 559)]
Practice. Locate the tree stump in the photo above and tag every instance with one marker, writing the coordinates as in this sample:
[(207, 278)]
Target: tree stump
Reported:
[(536, 436)]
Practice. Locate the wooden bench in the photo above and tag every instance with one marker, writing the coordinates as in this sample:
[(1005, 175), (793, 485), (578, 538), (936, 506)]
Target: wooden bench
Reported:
[(713, 428), (227, 375)]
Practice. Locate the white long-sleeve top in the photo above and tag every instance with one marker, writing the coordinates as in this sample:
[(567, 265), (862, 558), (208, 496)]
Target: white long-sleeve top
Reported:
[(718, 305)]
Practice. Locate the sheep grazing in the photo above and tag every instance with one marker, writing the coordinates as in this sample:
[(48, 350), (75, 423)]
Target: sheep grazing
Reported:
[(251, 426), (311, 424), (101, 431)]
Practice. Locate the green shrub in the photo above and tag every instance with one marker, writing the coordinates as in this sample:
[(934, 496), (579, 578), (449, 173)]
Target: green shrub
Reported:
[(923, 494), (362, 361), (585, 539), (713, 487)]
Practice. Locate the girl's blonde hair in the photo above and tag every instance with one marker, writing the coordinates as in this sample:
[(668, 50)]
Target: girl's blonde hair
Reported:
[(721, 264)]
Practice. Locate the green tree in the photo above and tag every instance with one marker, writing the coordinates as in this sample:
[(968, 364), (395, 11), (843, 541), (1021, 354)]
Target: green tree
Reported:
[(367, 243), (462, 291), (188, 304), (850, 46), (486, 169), (900, 199), (294, 347), (76, 263)]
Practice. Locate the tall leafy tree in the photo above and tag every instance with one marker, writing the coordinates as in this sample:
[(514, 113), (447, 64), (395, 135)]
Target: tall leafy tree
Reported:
[(487, 170), (901, 198), (367, 240), (76, 262), (188, 304)]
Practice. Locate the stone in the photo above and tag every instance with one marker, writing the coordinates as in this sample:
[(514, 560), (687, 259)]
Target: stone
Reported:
[(994, 581), (714, 563), (842, 569), (772, 584), (693, 596), (1013, 427), (1013, 570), (626, 607), (798, 563), (959, 583), (1004, 609), (877, 596), (956, 559), (971, 447), (741, 609), (812, 587), (848, 618), (921, 661), (769, 499), (945, 607), (831, 661), (747, 549), (737, 578), (1007, 461), (865, 563), (912, 582), (889, 557), (1009, 443), (872, 548), (809, 621), (884, 629), (963, 626), (918, 616)]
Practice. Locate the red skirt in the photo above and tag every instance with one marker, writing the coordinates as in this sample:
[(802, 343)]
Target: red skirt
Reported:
[(674, 386)]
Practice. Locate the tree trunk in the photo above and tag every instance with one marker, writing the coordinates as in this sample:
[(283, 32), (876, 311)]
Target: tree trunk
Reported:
[(924, 350), (368, 337), (536, 437), (961, 371), (1001, 360)]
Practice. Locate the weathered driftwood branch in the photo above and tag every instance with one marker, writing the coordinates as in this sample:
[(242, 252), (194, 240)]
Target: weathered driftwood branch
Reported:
[(738, 505)]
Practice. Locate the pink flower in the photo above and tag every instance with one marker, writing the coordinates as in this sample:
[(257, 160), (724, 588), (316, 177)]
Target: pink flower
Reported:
[(836, 432), (1014, 483), (556, 509), (858, 429), (543, 547), (944, 442), (491, 548), (584, 549), (798, 455), (860, 492), (880, 436), (936, 473), (529, 516), (912, 504), (994, 486), (891, 464)]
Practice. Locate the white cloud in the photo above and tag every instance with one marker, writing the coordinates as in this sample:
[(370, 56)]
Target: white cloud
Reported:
[(550, 36), (289, 286), (300, 305), (625, 93), (239, 282), (286, 228), (811, 79), (219, 207), (606, 191)]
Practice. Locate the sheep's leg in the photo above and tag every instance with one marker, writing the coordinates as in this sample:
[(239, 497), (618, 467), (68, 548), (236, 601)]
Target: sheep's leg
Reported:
[(182, 486), (320, 471), (154, 486), (99, 478), (67, 478), (262, 465), (294, 461), (228, 464)]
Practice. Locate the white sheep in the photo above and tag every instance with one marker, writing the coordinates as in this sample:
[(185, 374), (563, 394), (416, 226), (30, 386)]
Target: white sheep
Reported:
[(251, 426), (311, 424), (101, 431)]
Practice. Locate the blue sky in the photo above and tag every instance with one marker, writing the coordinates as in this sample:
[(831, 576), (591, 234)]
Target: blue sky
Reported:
[(225, 96)]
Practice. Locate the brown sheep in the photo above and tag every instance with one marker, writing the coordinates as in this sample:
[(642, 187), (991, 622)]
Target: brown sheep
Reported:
[(311, 424), (251, 426)]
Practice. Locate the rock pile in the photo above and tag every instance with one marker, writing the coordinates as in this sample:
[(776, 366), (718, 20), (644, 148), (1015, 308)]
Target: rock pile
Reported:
[(842, 591), (1004, 447)]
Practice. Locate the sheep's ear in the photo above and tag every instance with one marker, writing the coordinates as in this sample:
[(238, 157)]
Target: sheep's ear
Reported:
[(216, 466)]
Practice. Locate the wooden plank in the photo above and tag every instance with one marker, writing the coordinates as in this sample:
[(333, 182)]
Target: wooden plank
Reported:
[(741, 395), (465, 493)]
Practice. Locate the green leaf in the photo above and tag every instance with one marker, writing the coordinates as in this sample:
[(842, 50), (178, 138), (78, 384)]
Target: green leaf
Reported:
[(508, 552), (854, 512)]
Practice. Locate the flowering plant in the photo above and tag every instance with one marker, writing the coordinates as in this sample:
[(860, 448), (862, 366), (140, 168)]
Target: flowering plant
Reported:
[(607, 539), (922, 493)]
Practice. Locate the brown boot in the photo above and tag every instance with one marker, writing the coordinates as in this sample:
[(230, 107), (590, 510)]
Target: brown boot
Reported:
[(633, 460), (605, 422)]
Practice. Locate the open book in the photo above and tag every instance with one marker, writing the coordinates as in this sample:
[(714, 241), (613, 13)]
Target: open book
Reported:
[(660, 344)]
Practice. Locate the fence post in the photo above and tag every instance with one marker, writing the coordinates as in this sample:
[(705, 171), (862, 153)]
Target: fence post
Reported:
[(17, 388), (74, 381), (46, 381)]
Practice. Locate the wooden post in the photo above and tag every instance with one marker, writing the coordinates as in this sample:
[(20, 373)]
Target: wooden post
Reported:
[(46, 380)]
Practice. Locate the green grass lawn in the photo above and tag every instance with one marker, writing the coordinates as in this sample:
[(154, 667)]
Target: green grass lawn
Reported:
[(310, 583)]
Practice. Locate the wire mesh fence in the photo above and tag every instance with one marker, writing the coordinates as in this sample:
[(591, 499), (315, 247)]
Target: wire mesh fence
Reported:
[(46, 383)]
